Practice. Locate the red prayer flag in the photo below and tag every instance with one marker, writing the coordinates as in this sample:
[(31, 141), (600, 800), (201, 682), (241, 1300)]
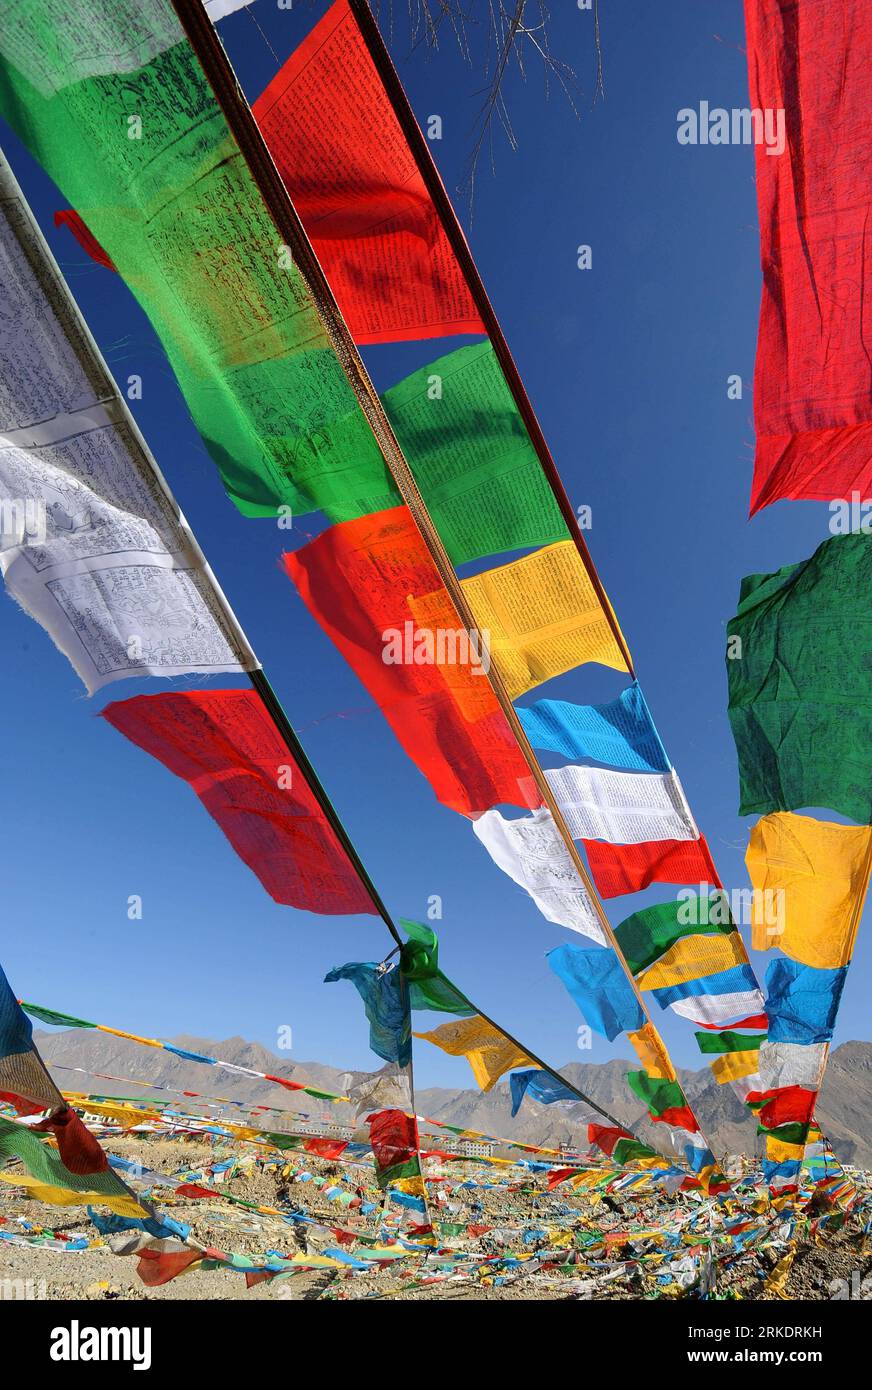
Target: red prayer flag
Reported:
[(326, 1148), (394, 1138), (80, 1153), (605, 1137), (159, 1267), (223, 744), (678, 1117), (811, 60), (357, 579), (340, 149), (790, 1104), (68, 217), (617, 869)]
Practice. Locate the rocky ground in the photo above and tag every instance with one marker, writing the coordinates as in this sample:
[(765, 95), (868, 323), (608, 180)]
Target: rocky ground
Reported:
[(828, 1261)]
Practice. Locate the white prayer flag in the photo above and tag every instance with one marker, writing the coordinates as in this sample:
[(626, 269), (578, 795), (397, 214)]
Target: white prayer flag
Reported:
[(531, 851), (624, 808), (792, 1064), (92, 544)]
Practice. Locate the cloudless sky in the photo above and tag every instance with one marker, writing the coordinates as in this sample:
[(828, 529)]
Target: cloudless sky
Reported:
[(627, 367)]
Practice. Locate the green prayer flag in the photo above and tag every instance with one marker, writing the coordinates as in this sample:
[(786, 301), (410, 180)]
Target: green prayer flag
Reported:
[(428, 987), (44, 1163), (646, 935), (729, 1041), (55, 1019), (627, 1149), (799, 666), (794, 1132), (472, 457), (657, 1093)]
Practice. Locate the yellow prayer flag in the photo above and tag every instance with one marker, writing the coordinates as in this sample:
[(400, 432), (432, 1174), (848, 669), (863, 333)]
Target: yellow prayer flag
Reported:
[(488, 1052), (541, 616), (124, 1204), (730, 1066), (692, 958), (651, 1051), (810, 879), (779, 1152)]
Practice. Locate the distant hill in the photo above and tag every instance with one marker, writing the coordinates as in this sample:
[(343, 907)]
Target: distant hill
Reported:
[(844, 1111)]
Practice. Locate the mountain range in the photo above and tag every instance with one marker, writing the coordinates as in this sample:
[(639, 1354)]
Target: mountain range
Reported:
[(844, 1109)]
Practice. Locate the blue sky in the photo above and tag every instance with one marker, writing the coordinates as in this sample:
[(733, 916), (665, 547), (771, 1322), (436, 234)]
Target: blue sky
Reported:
[(627, 366)]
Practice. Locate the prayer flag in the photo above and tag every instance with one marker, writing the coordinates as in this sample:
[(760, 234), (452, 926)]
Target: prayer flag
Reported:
[(489, 1052), (810, 878), (620, 869), (223, 744), (714, 999), (532, 852), (597, 982), (627, 807), (386, 1004), (802, 1002), (798, 670), (693, 958), (540, 616), (356, 579), (346, 162), (808, 66), (620, 733), (92, 544), (538, 1085), (647, 935)]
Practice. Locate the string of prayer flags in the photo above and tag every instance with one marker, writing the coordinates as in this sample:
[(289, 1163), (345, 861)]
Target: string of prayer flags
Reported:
[(714, 999), (346, 162), (620, 869), (386, 1004), (533, 854), (599, 986), (393, 1135), (802, 1002), (617, 1143), (621, 733), (540, 1086), (807, 70), (489, 1052), (356, 580), (541, 616), (625, 807), (646, 936), (799, 700), (181, 218), (427, 986), (98, 552), (809, 878), (223, 744)]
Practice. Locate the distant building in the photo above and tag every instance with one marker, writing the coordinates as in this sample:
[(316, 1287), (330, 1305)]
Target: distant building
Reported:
[(470, 1148)]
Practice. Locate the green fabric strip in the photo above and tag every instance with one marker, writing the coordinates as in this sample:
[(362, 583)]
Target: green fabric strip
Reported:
[(55, 1019), (657, 1093), (729, 1041), (648, 934), (43, 1163), (800, 696)]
